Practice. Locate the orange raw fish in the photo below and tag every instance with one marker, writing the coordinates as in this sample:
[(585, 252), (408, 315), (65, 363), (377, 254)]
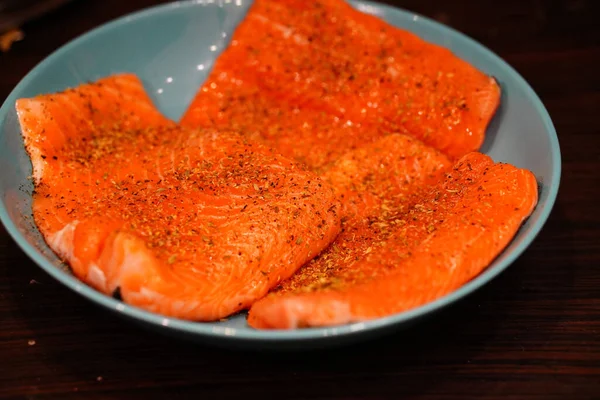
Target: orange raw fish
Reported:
[(190, 223), (386, 173), (403, 259), (304, 75)]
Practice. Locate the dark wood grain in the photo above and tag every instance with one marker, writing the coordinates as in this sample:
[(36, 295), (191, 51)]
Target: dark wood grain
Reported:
[(533, 333)]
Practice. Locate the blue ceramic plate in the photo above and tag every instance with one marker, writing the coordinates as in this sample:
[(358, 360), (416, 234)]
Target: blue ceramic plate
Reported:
[(172, 48)]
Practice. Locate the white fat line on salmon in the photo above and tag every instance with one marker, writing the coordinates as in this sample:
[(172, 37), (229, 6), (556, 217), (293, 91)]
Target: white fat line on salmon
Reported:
[(96, 277), (62, 241)]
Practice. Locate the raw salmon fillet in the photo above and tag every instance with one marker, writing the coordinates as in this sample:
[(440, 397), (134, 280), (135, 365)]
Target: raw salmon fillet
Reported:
[(313, 66), (404, 259), (190, 223)]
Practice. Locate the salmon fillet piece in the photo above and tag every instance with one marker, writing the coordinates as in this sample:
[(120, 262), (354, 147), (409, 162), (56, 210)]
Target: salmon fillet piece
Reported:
[(189, 223), (405, 259), (325, 56)]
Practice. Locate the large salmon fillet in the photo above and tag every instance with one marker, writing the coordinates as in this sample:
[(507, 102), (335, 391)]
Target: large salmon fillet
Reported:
[(189, 223), (312, 66), (404, 259)]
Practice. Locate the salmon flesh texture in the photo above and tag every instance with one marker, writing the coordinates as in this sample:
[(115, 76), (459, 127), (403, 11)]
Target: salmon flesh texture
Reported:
[(409, 255), (189, 223), (316, 79), (329, 158)]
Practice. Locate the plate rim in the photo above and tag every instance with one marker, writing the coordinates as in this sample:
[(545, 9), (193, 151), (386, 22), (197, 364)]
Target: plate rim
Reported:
[(308, 334)]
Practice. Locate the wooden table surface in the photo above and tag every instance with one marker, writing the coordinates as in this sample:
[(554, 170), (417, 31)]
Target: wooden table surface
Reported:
[(533, 333)]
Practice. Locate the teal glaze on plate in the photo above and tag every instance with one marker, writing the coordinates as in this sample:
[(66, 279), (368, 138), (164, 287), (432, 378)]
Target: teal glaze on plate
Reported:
[(172, 49)]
